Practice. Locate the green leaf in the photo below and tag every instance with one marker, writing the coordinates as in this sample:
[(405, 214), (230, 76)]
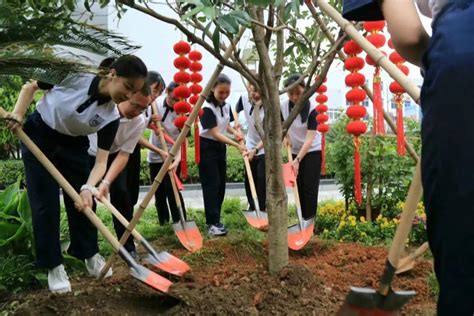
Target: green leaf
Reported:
[(216, 39), (261, 3), (206, 29), (9, 232), (24, 210), (228, 23), (241, 17), (209, 12), (192, 12), (287, 12), (9, 195)]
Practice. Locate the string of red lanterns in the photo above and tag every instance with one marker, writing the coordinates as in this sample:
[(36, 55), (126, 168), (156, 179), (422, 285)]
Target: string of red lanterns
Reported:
[(182, 92), (355, 96), (398, 92), (378, 40), (195, 56), (322, 118)]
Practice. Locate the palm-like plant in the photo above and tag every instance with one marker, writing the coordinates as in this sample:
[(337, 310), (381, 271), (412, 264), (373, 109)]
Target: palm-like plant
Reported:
[(31, 39)]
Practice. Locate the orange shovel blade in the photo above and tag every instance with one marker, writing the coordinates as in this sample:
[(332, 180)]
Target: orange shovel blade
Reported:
[(188, 235), (297, 237), (288, 175), (178, 182), (150, 278)]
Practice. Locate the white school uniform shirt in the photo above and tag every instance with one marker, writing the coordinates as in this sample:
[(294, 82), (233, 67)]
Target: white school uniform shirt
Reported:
[(69, 109), (431, 8), (297, 131), (168, 116), (126, 139), (252, 137), (222, 115)]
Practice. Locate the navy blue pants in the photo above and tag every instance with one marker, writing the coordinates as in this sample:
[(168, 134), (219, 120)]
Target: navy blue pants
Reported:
[(165, 195), (212, 172), (257, 165), (309, 173), (69, 155), (447, 99)]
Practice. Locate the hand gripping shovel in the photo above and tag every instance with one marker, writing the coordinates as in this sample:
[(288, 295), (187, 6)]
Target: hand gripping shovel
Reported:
[(385, 301), (136, 270), (162, 260), (257, 218), (187, 231), (408, 262), (298, 234)]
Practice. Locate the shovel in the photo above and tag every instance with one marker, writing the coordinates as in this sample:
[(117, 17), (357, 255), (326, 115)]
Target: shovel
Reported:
[(187, 231), (162, 260), (298, 234), (384, 300), (408, 262), (257, 218), (138, 271)]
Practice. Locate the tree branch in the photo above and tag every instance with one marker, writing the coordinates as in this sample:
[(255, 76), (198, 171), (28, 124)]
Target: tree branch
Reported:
[(309, 92)]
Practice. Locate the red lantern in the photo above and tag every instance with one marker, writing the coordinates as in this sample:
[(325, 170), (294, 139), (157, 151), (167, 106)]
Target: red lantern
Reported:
[(356, 95), (193, 99), (356, 111), (182, 62), (396, 88), (182, 107), (323, 128), (179, 121), (195, 55), (396, 58), (195, 66), (195, 88), (320, 108), (322, 118), (181, 48), (371, 26), (321, 98), (356, 128), (355, 79), (352, 48), (181, 77), (322, 88), (354, 63), (181, 92), (196, 77)]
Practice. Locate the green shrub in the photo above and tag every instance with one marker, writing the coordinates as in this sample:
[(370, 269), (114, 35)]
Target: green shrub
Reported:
[(388, 173), (11, 171)]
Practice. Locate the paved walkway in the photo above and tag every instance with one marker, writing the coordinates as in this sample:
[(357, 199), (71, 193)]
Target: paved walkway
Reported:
[(192, 193)]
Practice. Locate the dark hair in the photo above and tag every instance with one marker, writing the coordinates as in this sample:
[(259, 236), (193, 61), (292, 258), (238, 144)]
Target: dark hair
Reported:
[(107, 62), (129, 66), (145, 90), (292, 79), (155, 77), (171, 86), (221, 79)]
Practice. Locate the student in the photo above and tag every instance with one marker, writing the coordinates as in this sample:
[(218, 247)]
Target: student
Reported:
[(164, 196), (447, 153), (157, 85), (81, 104), (255, 151), (306, 147), (215, 121), (115, 180)]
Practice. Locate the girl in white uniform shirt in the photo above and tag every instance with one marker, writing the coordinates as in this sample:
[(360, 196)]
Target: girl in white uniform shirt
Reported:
[(306, 147), (214, 123), (164, 196), (256, 153), (82, 104)]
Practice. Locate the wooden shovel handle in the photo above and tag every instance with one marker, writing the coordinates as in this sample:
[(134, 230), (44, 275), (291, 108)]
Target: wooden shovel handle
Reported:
[(295, 185), (64, 184)]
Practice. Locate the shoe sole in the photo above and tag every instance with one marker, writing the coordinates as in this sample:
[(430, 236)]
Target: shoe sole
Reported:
[(61, 291)]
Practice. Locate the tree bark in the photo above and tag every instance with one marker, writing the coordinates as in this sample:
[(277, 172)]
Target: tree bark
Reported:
[(276, 192)]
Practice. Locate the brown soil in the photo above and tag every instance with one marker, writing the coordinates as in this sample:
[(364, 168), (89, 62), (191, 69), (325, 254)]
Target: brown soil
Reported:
[(233, 279)]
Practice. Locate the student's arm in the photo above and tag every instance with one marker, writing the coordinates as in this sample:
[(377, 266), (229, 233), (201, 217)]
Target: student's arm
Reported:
[(226, 140), (24, 100), (145, 143), (311, 133), (404, 25), (253, 151), (117, 166)]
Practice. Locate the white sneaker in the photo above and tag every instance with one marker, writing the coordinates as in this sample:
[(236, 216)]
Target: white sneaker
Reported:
[(215, 231), (58, 281), (95, 264)]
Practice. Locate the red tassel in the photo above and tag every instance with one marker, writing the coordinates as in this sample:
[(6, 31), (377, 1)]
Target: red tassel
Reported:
[(379, 126), (323, 154), (184, 164), (357, 180), (401, 150), (197, 144)]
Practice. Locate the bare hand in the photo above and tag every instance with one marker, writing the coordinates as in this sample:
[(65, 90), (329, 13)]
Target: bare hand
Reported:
[(103, 191), (239, 136), (155, 118), (164, 155), (86, 197), (295, 165), (14, 121), (250, 154)]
